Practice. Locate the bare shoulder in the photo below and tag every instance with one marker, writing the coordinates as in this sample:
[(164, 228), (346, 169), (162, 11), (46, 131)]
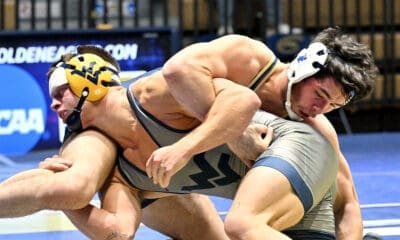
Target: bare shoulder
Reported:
[(238, 57), (234, 38), (240, 42)]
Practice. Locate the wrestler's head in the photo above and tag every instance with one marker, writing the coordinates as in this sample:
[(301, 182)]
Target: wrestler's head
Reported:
[(87, 75), (333, 71)]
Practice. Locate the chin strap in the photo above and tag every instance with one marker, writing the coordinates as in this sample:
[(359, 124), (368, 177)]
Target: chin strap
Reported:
[(288, 104), (74, 122)]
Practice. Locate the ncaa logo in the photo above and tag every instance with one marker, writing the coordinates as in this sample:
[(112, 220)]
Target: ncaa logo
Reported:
[(22, 111)]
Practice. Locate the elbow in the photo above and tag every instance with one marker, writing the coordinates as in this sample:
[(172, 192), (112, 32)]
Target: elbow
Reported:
[(174, 69), (250, 99), (245, 103), (255, 101)]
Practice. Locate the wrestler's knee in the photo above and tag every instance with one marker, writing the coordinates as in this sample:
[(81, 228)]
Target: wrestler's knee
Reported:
[(239, 224)]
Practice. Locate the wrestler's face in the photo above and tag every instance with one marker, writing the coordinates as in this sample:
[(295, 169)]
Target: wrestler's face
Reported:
[(317, 96), (63, 101)]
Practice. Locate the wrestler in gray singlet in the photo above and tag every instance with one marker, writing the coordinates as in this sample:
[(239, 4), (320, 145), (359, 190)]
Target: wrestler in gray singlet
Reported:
[(298, 151)]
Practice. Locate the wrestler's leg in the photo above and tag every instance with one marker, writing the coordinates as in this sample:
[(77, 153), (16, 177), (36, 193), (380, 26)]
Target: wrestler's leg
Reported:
[(34, 190), (20, 189), (189, 216), (264, 205), (37, 189)]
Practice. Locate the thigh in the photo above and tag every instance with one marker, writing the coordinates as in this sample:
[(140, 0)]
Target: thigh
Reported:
[(91, 165), (267, 196), (189, 216)]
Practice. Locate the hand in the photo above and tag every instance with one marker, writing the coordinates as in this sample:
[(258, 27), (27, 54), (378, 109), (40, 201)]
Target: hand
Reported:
[(55, 164), (164, 163), (255, 139)]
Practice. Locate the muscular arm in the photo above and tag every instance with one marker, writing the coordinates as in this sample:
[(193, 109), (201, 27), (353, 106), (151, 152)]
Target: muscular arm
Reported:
[(118, 217), (190, 73), (348, 219), (226, 120), (199, 78)]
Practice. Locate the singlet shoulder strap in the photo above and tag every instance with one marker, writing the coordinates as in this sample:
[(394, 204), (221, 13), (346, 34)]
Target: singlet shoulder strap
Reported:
[(263, 74), (161, 133)]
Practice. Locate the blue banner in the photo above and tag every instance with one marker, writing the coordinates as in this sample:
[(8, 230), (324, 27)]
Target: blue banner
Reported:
[(26, 121)]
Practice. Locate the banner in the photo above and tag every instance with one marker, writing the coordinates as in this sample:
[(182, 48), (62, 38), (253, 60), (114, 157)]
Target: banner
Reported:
[(26, 121)]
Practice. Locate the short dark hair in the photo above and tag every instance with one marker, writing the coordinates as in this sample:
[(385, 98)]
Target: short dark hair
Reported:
[(349, 62)]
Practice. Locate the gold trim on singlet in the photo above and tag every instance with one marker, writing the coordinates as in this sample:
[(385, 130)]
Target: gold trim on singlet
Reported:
[(264, 74)]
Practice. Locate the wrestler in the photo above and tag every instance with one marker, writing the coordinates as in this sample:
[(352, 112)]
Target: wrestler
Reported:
[(333, 71), (146, 90), (33, 190), (158, 121)]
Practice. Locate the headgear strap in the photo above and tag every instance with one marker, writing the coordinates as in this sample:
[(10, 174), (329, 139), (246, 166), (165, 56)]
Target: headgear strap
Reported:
[(307, 63)]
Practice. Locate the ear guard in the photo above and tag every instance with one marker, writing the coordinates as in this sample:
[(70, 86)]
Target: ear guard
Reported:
[(91, 73), (307, 63), (89, 78)]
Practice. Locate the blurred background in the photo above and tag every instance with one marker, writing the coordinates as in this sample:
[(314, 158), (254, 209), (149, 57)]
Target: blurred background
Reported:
[(142, 34)]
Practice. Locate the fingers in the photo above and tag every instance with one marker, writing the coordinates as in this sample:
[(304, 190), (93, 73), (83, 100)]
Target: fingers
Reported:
[(158, 172), (154, 169), (55, 164), (164, 176), (266, 133), (269, 134), (261, 129), (151, 165)]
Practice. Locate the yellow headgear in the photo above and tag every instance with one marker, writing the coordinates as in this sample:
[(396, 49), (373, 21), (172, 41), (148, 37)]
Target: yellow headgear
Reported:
[(89, 74)]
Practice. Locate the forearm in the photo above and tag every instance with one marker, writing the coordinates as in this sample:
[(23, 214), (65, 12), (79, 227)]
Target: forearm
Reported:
[(118, 217), (349, 225), (228, 117), (348, 218), (97, 223)]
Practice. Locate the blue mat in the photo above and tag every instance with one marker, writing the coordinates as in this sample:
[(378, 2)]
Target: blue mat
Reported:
[(373, 158)]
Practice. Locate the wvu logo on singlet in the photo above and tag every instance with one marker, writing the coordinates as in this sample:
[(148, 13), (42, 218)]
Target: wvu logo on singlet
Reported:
[(203, 178)]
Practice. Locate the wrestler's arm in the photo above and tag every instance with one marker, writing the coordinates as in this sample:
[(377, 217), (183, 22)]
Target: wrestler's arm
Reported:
[(348, 218), (37, 189), (118, 217), (254, 140), (225, 121), (190, 73), (198, 79)]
